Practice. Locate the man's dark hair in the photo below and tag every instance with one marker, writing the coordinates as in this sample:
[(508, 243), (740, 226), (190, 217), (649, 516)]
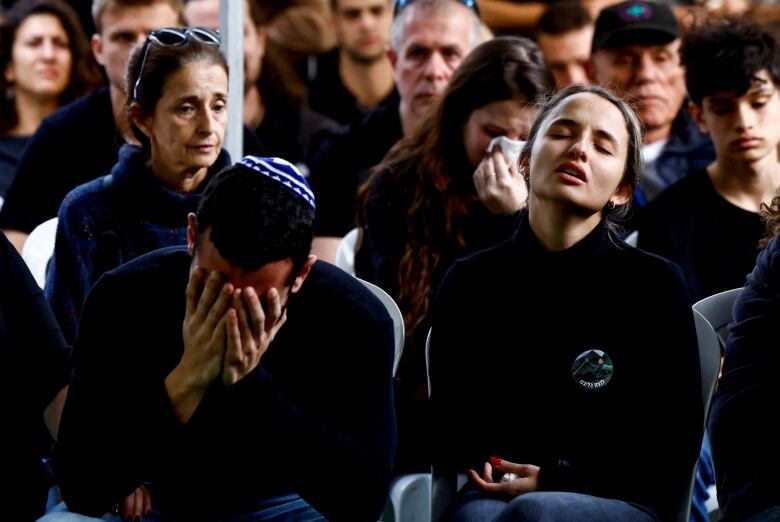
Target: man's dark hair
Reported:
[(562, 17), (725, 55), (255, 220)]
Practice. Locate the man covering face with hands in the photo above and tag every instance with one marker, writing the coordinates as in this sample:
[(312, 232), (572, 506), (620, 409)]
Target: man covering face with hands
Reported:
[(219, 374)]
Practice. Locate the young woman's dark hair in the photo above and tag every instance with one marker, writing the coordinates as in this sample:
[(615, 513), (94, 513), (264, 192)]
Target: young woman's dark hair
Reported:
[(725, 55), (432, 168), (151, 64), (84, 75)]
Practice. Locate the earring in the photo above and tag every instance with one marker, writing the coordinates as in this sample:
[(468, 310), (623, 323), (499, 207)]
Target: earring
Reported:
[(610, 205)]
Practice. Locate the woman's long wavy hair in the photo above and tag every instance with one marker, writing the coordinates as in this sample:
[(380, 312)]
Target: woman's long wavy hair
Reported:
[(84, 73), (432, 169)]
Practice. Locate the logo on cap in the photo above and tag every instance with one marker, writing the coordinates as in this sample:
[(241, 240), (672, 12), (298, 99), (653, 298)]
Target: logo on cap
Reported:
[(635, 12), (592, 369)]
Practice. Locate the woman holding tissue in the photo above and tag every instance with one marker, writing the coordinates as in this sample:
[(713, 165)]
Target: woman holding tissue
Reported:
[(440, 194)]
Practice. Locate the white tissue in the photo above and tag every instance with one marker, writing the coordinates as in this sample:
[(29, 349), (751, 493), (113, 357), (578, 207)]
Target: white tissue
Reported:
[(509, 148)]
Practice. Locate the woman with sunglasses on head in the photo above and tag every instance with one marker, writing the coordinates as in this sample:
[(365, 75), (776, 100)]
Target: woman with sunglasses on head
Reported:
[(177, 105), (565, 396), (45, 62), (438, 195)]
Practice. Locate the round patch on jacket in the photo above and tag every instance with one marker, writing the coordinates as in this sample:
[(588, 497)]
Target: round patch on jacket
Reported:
[(592, 369)]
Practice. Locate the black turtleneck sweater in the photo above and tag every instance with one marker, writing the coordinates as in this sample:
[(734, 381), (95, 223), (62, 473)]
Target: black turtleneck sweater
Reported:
[(509, 327)]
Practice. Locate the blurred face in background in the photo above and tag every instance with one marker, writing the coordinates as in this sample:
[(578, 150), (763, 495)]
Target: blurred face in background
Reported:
[(41, 60), (254, 49), (363, 28), (122, 29), (433, 46), (650, 77), (567, 55)]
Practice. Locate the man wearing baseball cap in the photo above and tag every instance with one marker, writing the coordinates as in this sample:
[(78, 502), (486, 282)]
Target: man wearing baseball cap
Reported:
[(635, 52)]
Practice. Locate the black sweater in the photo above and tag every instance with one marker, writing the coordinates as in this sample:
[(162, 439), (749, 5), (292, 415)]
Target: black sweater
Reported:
[(744, 426), (314, 418), (36, 361), (509, 324)]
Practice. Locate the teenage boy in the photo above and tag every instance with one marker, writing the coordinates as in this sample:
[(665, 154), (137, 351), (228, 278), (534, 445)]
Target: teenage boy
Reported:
[(709, 222)]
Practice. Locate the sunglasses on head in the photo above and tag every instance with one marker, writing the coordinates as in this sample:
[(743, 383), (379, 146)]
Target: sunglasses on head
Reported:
[(172, 37), (400, 4)]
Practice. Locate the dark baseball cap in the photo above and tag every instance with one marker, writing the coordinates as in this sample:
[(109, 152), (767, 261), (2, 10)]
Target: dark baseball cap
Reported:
[(636, 22)]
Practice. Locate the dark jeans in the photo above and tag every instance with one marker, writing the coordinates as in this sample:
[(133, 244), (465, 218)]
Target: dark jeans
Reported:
[(287, 508), (472, 505)]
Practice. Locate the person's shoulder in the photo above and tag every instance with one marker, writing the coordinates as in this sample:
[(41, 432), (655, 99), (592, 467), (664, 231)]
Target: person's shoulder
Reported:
[(368, 125), (767, 264), (92, 110), (154, 267), (333, 292), (85, 196), (489, 263), (155, 280), (315, 121), (647, 269), (685, 196)]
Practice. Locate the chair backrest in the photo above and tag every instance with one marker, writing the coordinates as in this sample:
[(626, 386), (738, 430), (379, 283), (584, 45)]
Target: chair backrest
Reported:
[(709, 369), (39, 248), (717, 311), (445, 483), (395, 314), (345, 253)]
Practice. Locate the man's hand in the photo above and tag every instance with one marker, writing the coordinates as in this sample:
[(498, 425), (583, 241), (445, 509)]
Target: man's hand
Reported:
[(203, 331), (527, 478), (250, 330), (499, 187), (204, 337)]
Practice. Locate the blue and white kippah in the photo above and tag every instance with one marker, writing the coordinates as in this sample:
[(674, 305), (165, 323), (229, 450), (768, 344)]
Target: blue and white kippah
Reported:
[(282, 171)]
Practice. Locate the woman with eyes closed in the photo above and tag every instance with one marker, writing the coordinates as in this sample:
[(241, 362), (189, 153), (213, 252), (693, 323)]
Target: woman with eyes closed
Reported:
[(177, 99), (563, 393), (45, 62), (439, 195)]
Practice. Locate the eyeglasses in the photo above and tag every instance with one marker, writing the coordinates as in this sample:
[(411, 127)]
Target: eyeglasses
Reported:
[(400, 4), (174, 37)]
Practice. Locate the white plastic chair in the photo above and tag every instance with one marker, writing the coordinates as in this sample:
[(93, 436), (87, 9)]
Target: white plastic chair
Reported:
[(709, 369), (345, 253), (718, 310), (39, 248), (409, 499), (714, 313), (395, 314), (409, 494), (445, 483)]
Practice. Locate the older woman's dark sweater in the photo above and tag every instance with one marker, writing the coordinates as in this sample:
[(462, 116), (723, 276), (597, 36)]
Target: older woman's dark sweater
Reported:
[(109, 221)]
